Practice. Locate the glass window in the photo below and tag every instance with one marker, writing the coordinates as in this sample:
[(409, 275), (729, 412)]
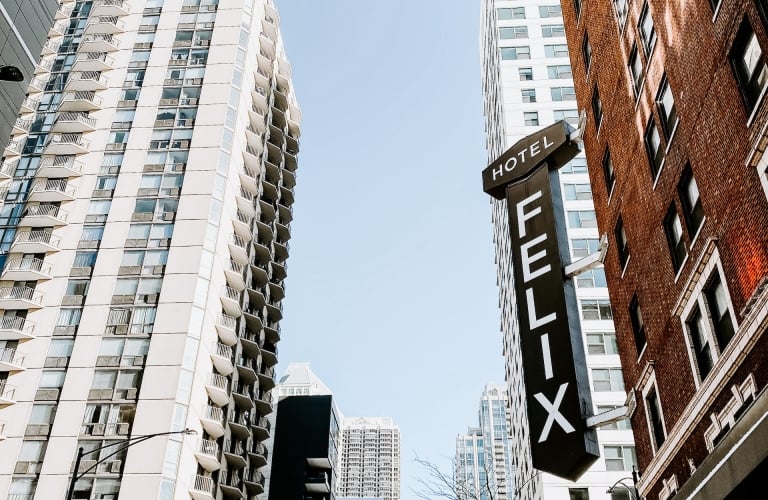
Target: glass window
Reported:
[(32, 451), (514, 53), (717, 300), (563, 94), (622, 244), (42, 414), (607, 380), (702, 347), (526, 74), (638, 325), (577, 191), (581, 219), (665, 101), (575, 166), (602, 343), (559, 71), (531, 118), (674, 233), (52, 379), (513, 32), (596, 309), (85, 259), (653, 148), (608, 174), (552, 30), (623, 424), (557, 50), (594, 278), (620, 6), (619, 458), (578, 494), (99, 207), (582, 247), (126, 286), (597, 108), (586, 53), (749, 65), (691, 203), (511, 13), (61, 348), (528, 95), (636, 70), (569, 115), (653, 412), (646, 29), (550, 11), (69, 317)]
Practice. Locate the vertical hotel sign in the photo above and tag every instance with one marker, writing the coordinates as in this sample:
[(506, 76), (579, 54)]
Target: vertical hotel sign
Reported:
[(554, 365)]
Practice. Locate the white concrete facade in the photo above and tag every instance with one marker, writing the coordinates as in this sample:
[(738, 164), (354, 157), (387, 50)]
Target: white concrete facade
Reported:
[(146, 214), (370, 458), (527, 84)]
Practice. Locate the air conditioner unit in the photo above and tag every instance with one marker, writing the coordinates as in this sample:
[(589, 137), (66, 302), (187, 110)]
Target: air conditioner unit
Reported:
[(37, 430), (123, 299), (82, 244), (147, 192), (154, 168), (72, 300), (26, 468), (164, 242), (114, 466), (60, 362), (138, 360), (131, 393), (121, 329), (47, 395), (174, 191), (168, 216), (102, 193), (122, 429), (158, 269), (108, 361), (97, 430), (85, 465), (135, 243), (123, 270)]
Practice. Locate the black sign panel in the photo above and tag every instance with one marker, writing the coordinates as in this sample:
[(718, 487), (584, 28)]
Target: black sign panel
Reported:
[(556, 381), (551, 143)]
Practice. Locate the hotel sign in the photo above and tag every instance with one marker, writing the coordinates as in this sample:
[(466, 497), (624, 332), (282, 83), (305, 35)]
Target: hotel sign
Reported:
[(554, 365)]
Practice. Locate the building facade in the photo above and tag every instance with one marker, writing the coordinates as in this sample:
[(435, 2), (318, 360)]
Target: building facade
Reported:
[(143, 238), (370, 458), (484, 469), (676, 132), (23, 31), (527, 84)]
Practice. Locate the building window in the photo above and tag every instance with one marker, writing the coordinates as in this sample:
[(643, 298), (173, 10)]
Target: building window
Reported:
[(514, 53), (559, 72), (529, 95), (622, 244), (558, 50), (619, 457), (578, 219), (691, 202), (621, 425), (700, 343), (749, 65), (550, 11), (511, 13), (653, 148), (552, 30), (717, 300), (594, 278), (596, 309), (513, 32), (577, 165), (646, 29), (665, 102), (654, 415), (607, 380), (638, 325), (578, 494), (674, 232), (531, 118), (602, 343), (569, 115), (577, 191), (636, 70), (586, 53), (526, 74), (597, 108), (608, 174), (620, 6), (563, 94), (582, 247)]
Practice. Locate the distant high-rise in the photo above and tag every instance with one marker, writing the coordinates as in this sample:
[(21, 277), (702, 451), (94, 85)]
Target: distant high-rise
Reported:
[(484, 469), (528, 84), (146, 207), (370, 458)]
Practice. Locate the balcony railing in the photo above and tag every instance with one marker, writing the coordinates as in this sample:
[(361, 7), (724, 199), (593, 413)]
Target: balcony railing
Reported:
[(24, 264), (20, 292), (9, 356)]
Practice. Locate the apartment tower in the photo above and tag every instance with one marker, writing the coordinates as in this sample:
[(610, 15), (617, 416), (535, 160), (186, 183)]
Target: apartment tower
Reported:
[(144, 228), (528, 84), (483, 461), (370, 458), (677, 126)]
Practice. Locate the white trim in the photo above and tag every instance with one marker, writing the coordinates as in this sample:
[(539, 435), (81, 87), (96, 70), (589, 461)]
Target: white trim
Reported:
[(18, 35), (651, 385)]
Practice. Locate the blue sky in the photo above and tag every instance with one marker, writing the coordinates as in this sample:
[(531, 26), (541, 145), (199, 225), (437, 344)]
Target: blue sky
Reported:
[(391, 289)]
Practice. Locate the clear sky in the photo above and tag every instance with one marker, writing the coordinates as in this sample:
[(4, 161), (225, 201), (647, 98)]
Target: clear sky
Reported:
[(391, 288)]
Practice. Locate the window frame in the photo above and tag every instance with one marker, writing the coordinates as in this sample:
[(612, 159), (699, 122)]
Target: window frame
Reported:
[(678, 251), (648, 38), (638, 325), (654, 413), (609, 174), (693, 221), (655, 157), (745, 78), (597, 108)]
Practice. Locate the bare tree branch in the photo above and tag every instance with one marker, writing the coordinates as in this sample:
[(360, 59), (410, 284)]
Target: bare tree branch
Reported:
[(438, 484)]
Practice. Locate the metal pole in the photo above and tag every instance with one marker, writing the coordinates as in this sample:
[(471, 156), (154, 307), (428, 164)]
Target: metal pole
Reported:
[(71, 491)]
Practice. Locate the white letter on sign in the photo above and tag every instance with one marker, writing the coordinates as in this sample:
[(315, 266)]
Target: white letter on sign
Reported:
[(530, 259), (532, 319), (497, 172), (523, 216), (553, 414)]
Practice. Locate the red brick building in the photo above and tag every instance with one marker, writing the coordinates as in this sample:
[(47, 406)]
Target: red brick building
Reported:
[(677, 124)]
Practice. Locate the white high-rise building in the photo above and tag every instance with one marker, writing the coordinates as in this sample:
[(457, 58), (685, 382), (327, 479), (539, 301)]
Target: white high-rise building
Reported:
[(527, 84), (146, 208), (484, 469), (370, 458)]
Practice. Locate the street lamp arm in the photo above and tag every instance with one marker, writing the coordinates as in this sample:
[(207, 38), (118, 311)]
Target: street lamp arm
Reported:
[(102, 460)]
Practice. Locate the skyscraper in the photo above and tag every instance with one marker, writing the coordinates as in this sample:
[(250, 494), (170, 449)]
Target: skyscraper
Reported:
[(370, 458), (143, 238), (677, 127), (527, 84), (483, 462)]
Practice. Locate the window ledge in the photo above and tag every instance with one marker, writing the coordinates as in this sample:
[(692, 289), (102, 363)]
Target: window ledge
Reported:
[(759, 101), (682, 266), (698, 232), (626, 265), (671, 137), (661, 169)]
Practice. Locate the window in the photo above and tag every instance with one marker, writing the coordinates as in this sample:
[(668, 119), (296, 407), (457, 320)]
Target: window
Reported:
[(620, 6), (608, 174), (636, 70), (513, 32), (597, 108), (586, 53), (602, 343), (654, 415), (638, 325), (577, 191), (85, 259), (529, 95), (665, 102), (691, 203), (581, 218), (582, 247), (622, 244), (596, 309), (511, 13), (552, 30), (578, 494), (42, 414), (531, 118), (717, 300), (69, 317), (607, 380), (569, 115), (646, 30), (550, 11), (619, 457), (653, 148), (702, 347), (514, 53), (526, 74), (98, 211), (674, 232), (594, 278), (558, 50), (563, 94), (575, 166), (559, 72), (749, 65), (620, 425)]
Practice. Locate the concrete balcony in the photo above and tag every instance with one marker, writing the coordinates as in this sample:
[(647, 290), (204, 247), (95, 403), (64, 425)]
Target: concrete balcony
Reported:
[(66, 144), (267, 378), (267, 45), (80, 101), (58, 167), (260, 97), (241, 222), (73, 123), (269, 353), (29, 105), (44, 215), (43, 66), (263, 402), (252, 156), (202, 488), (221, 357), (235, 454), (235, 274), (230, 301), (26, 269), (258, 455), (7, 169), (249, 178), (238, 249), (262, 428), (38, 84), (93, 61), (254, 482), (207, 454), (7, 395), (64, 11), (218, 389), (20, 297), (104, 25), (21, 126), (86, 81), (35, 242), (99, 43), (212, 420), (11, 360), (16, 328), (52, 191), (244, 201), (226, 325), (110, 8), (13, 148), (58, 29)]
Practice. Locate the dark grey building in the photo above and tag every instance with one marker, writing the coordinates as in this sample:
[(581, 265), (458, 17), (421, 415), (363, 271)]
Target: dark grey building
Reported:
[(24, 26)]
